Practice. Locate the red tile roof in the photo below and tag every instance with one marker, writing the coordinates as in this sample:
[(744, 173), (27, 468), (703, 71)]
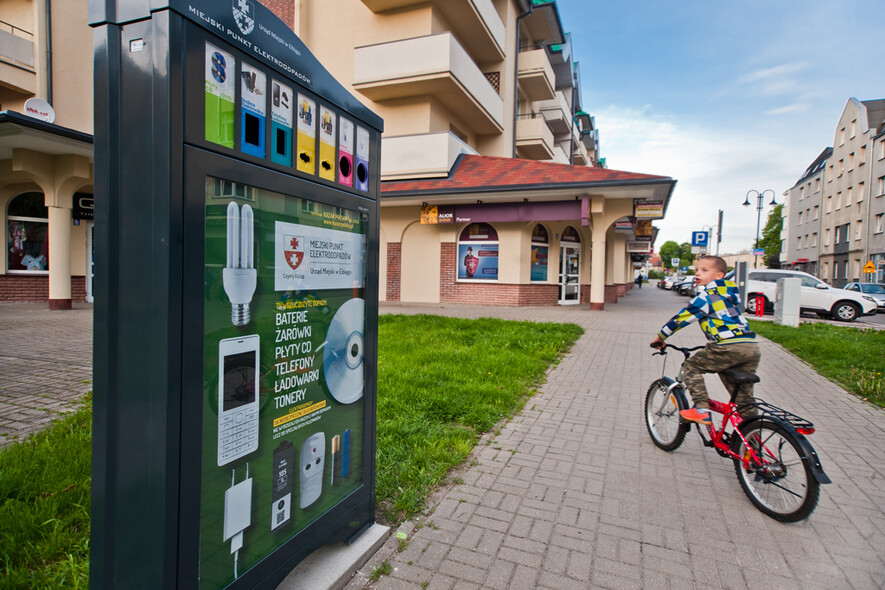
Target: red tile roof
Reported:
[(488, 173)]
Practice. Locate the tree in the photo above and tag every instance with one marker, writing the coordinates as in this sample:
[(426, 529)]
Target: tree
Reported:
[(671, 249), (771, 237)]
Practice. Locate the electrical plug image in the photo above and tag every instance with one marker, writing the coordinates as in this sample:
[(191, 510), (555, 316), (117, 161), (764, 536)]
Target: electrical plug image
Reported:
[(237, 513), (239, 276), (313, 458)]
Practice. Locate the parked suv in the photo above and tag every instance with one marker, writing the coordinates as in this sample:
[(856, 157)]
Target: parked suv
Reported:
[(815, 295)]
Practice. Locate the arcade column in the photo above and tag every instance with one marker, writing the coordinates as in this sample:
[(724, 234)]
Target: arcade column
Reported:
[(60, 257), (597, 254)]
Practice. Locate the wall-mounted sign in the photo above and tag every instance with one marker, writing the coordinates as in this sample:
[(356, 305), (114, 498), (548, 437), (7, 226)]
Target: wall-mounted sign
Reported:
[(39, 109), (648, 208), (644, 230), (644, 247), (83, 207)]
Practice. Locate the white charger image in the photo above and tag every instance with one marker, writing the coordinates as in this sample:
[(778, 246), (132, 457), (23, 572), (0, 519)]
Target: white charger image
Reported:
[(240, 276)]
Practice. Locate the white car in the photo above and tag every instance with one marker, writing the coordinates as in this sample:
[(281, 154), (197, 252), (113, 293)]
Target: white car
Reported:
[(874, 290), (815, 295)]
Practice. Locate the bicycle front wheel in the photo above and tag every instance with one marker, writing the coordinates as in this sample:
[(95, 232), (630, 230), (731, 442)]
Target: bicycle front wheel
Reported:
[(662, 416), (779, 483)]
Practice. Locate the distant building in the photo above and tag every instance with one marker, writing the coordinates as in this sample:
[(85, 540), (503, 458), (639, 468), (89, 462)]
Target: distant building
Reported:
[(802, 218)]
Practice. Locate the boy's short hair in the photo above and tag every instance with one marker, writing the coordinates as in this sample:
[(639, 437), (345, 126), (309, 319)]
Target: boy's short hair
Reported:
[(718, 262)]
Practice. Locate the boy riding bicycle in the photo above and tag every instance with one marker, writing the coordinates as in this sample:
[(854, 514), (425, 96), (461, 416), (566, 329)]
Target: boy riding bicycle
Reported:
[(731, 343)]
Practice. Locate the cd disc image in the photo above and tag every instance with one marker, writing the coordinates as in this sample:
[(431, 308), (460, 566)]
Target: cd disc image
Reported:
[(343, 352)]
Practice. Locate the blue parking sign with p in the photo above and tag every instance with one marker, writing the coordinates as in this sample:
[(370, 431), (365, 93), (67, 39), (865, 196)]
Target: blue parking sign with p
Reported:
[(700, 238)]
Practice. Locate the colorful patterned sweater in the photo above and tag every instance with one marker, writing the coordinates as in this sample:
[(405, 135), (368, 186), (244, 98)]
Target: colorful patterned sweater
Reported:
[(717, 307)]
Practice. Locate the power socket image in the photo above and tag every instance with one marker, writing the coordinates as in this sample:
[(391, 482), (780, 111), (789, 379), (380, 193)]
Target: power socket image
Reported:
[(313, 460)]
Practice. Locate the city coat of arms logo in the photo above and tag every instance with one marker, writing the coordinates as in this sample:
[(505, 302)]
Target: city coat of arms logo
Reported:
[(244, 14), (294, 251)]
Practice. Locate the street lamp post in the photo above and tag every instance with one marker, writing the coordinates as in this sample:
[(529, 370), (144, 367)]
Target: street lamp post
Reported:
[(759, 198)]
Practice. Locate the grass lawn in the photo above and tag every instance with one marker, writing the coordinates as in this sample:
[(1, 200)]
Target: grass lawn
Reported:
[(852, 357), (44, 515), (442, 383)]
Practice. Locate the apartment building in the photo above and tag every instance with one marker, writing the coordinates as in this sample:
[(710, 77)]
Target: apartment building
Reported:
[(487, 150), (876, 225), (800, 236), (847, 194), (46, 151), (492, 189)]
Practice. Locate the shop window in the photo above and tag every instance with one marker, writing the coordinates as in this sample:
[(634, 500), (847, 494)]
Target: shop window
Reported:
[(27, 234), (540, 250), (478, 253)]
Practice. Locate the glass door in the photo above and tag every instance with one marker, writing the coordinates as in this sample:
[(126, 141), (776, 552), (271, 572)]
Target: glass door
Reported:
[(569, 274), (90, 258)]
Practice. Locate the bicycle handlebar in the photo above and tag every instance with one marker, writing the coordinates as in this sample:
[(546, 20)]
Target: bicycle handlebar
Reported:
[(684, 350)]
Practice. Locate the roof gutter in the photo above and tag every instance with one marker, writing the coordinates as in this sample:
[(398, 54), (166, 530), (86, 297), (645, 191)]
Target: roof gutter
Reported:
[(516, 73)]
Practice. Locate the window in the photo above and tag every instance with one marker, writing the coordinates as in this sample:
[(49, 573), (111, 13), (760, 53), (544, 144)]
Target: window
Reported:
[(801, 192), (798, 242), (809, 281), (799, 218), (540, 249), (849, 195), (880, 183), (858, 229), (825, 270), (841, 167), (881, 149), (838, 234), (880, 223), (863, 156), (816, 211), (842, 136), (478, 253), (853, 128), (829, 203), (27, 235), (814, 240), (839, 200), (861, 189), (855, 268), (851, 161), (830, 174), (826, 237)]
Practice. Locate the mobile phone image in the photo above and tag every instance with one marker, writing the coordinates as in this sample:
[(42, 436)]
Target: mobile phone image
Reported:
[(237, 398)]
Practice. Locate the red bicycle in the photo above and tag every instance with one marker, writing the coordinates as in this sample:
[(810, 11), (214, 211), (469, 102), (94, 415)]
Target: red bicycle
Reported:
[(778, 468)]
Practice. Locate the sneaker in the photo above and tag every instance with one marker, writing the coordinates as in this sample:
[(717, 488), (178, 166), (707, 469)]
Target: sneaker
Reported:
[(695, 415)]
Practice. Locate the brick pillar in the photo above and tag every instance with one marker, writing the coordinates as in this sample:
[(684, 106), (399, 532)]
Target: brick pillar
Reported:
[(394, 270), (447, 255)]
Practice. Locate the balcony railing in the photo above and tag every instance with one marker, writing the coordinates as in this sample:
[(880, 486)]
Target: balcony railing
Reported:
[(536, 76), (534, 139), (476, 23), (420, 156), (437, 66), (557, 112)]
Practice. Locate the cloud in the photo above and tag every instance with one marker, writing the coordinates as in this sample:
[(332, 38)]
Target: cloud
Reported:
[(777, 80), (796, 107), (772, 73), (714, 167)]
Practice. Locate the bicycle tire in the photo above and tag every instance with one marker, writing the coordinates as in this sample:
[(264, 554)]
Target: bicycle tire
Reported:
[(784, 487), (662, 416)]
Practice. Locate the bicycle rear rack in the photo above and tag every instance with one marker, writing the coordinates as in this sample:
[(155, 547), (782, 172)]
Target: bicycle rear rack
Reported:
[(766, 409)]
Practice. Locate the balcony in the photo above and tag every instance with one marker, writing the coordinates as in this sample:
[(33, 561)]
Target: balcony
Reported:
[(580, 157), (420, 156), (557, 113), (17, 59), (536, 78), (534, 140), (476, 22), (437, 66)]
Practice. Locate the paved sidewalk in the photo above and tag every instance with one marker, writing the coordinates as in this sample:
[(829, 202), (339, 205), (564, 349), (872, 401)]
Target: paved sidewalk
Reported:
[(573, 494), (47, 365)]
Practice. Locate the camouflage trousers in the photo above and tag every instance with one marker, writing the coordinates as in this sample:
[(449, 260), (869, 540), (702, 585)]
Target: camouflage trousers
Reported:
[(714, 358)]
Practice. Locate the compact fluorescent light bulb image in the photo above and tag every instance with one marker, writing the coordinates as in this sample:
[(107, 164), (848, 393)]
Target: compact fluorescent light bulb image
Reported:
[(240, 276)]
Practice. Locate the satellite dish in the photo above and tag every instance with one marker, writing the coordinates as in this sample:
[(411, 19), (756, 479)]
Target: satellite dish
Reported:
[(40, 109)]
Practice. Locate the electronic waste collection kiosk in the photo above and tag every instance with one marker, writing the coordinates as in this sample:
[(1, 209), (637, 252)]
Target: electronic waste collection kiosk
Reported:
[(236, 303)]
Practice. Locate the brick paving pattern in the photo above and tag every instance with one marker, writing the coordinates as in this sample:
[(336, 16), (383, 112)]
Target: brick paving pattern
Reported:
[(47, 365), (573, 494)]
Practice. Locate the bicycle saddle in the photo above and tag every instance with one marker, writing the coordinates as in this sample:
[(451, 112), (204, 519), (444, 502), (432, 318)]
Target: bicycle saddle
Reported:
[(741, 376)]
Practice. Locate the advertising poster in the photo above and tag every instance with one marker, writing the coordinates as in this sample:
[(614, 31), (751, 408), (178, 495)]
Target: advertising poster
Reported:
[(539, 263), (283, 372), (220, 74), (478, 261)]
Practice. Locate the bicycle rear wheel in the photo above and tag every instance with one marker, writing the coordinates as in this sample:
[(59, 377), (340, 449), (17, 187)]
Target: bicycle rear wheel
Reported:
[(662, 416), (780, 484)]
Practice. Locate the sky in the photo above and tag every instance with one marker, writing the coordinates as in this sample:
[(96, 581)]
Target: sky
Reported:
[(723, 96)]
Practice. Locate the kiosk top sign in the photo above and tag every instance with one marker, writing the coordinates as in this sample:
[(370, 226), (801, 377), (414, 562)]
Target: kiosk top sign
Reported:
[(253, 28)]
